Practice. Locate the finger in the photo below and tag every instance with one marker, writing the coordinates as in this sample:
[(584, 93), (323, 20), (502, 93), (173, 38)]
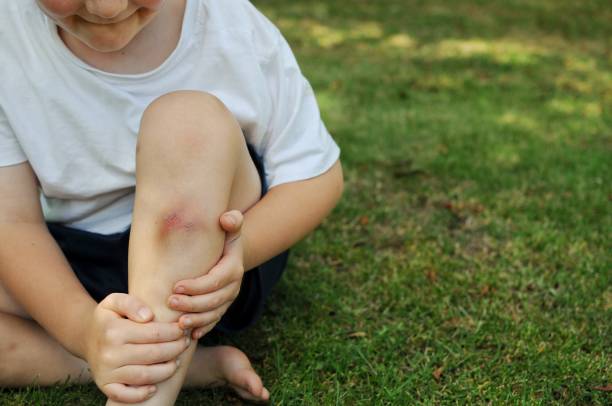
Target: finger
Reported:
[(221, 275), (151, 332), (119, 392), (231, 221), (199, 320), (202, 320), (139, 375), (148, 354), (205, 302), (233, 235), (202, 285), (128, 306)]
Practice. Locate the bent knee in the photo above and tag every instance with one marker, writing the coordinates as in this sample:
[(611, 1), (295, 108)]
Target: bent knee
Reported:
[(11, 345), (185, 101), (8, 305), (188, 121)]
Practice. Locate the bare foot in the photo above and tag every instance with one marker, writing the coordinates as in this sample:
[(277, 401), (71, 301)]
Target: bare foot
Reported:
[(224, 365)]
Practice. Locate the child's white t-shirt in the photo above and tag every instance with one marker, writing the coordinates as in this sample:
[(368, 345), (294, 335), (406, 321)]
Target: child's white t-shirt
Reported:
[(77, 126)]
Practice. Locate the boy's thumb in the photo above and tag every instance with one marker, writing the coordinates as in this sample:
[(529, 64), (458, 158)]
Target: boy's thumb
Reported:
[(128, 306), (231, 221)]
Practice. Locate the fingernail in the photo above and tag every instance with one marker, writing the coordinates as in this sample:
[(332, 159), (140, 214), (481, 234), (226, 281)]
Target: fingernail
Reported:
[(199, 334), (231, 220), (178, 363), (187, 321), (144, 313), (152, 389), (180, 289), (188, 341), (174, 301)]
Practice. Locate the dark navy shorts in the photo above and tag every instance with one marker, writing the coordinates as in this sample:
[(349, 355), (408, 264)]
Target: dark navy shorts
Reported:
[(100, 262)]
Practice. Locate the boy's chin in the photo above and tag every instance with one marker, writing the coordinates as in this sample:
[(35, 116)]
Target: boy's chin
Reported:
[(103, 45), (108, 42), (102, 39), (106, 46)]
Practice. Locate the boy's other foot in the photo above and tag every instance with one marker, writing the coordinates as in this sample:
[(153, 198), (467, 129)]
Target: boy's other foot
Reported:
[(224, 365)]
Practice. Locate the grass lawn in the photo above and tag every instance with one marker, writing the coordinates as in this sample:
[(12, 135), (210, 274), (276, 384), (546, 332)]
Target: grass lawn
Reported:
[(469, 261)]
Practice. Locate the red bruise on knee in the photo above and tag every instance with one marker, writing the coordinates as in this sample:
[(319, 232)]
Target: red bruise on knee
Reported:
[(176, 222)]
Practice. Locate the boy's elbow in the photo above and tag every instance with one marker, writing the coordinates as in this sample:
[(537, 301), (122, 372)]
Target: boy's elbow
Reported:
[(338, 182)]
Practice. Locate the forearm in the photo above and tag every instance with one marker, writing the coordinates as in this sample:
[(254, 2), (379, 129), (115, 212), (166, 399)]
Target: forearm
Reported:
[(36, 273), (287, 213)]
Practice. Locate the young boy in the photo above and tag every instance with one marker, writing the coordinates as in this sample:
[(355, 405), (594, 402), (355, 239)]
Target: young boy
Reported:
[(182, 126)]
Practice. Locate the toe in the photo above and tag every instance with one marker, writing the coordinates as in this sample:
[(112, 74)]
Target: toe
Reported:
[(247, 395), (250, 381), (248, 385)]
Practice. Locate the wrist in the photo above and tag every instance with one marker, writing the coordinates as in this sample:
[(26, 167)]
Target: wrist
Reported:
[(246, 264), (78, 338)]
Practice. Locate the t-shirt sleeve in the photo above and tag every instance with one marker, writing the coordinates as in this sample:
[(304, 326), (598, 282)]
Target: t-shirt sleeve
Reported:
[(10, 150), (298, 145)]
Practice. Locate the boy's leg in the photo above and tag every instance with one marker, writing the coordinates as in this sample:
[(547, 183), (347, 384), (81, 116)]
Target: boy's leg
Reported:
[(27, 348), (192, 166)]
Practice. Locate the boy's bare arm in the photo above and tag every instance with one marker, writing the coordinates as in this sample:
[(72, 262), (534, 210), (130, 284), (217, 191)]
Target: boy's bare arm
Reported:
[(32, 267), (287, 213)]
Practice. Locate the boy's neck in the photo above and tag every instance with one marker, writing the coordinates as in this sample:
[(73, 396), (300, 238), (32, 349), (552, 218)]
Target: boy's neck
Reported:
[(148, 50)]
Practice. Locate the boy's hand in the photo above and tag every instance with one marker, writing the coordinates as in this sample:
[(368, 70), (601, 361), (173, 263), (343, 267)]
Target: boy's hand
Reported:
[(207, 298), (127, 353)]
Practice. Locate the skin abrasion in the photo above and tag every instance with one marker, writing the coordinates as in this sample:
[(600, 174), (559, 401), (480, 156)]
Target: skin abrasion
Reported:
[(176, 222)]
